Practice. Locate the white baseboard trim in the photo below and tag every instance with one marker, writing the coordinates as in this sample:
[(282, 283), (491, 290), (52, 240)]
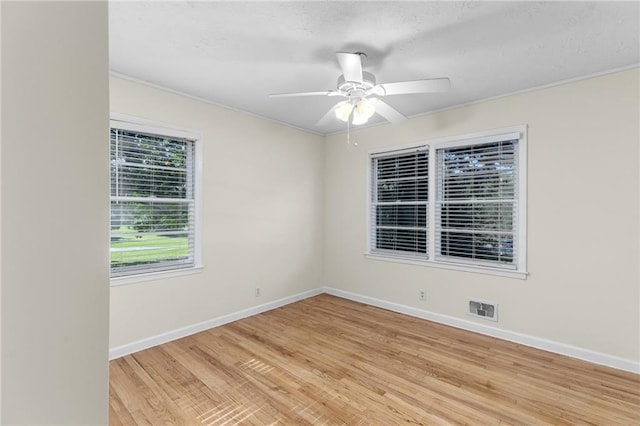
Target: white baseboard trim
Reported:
[(511, 336), (535, 342), (159, 339)]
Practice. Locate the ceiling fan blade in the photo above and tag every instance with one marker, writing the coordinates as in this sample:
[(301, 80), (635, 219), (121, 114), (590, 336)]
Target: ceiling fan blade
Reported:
[(351, 65), (289, 95), (431, 85), (328, 117), (386, 111)]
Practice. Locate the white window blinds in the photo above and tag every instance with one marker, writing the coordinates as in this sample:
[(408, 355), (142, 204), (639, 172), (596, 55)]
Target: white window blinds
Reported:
[(399, 203), (152, 203), (476, 203), (458, 202)]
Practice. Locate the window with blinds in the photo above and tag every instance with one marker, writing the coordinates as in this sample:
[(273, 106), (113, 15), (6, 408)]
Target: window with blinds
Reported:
[(400, 202), (476, 206), (456, 203), (152, 202)]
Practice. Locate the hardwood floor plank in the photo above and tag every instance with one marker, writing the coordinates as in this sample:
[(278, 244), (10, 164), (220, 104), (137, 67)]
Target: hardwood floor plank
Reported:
[(154, 403), (327, 360)]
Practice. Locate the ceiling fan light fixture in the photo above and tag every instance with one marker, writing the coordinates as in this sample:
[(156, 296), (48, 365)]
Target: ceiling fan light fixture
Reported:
[(363, 111), (343, 111)]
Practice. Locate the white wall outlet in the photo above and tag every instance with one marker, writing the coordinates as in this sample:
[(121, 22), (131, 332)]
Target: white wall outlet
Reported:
[(422, 295), (257, 291)]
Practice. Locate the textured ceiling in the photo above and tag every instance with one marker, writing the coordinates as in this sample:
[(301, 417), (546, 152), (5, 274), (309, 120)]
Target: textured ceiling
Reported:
[(237, 53)]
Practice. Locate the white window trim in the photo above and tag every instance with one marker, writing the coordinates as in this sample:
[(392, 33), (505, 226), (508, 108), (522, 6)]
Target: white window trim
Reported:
[(130, 123), (520, 271), (153, 276)]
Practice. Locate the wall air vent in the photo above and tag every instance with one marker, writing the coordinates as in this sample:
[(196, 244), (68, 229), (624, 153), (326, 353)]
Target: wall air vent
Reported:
[(482, 309)]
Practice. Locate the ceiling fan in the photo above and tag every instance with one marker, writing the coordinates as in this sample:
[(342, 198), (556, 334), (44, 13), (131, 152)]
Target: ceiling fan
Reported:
[(363, 94)]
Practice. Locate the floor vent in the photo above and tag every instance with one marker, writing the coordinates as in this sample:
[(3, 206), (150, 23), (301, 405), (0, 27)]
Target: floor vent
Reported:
[(486, 310)]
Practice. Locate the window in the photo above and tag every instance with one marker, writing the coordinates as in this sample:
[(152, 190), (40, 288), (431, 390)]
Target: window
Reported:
[(457, 203), (400, 202), (153, 199)]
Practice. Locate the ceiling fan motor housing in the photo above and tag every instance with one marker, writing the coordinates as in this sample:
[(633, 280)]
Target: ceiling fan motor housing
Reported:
[(355, 88)]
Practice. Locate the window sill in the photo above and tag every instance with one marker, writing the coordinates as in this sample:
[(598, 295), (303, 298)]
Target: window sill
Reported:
[(452, 266), (132, 279)]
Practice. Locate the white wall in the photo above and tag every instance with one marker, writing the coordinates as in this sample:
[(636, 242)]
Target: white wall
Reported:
[(583, 183), (262, 217), (54, 242), (0, 214)]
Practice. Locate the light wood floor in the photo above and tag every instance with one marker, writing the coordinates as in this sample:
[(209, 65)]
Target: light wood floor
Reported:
[(326, 360)]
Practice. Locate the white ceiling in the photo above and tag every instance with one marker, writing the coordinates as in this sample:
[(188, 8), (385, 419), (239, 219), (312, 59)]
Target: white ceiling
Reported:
[(237, 53)]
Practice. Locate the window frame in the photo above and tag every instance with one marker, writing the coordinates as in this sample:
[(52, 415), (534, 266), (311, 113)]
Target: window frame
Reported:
[(517, 269), (135, 124)]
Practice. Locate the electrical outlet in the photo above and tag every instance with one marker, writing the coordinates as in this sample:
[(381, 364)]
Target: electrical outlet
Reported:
[(422, 295), (257, 291)]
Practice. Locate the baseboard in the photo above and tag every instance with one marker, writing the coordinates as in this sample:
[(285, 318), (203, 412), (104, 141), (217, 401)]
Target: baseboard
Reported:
[(159, 339), (535, 342), (532, 341)]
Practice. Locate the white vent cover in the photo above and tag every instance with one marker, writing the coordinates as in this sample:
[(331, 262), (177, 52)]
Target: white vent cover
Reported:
[(483, 309)]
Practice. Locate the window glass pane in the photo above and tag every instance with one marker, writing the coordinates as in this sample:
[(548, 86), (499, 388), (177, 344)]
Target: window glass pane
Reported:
[(136, 181), (150, 150), (476, 201), (403, 166), (399, 206), (130, 249), (402, 215), (402, 240), (404, 190), (481, 171), (489, 247), (149, 217), (485, 216)]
